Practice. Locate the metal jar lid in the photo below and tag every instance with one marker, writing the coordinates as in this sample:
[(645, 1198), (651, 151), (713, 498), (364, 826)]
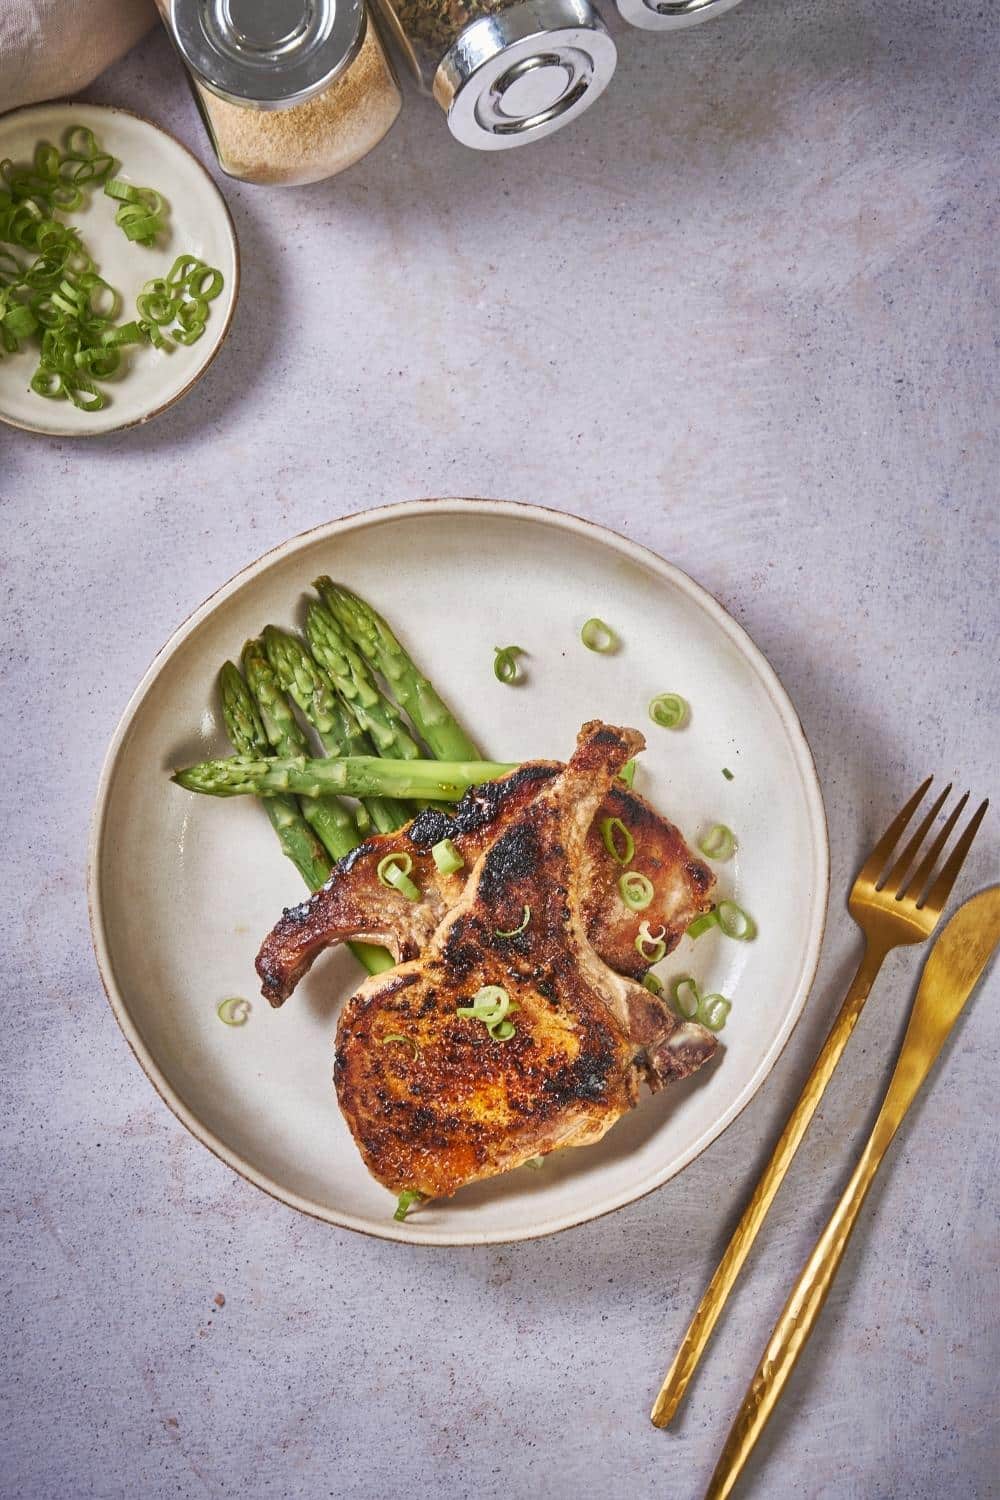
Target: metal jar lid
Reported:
[(668, 15), (524, 72), (269, 54)]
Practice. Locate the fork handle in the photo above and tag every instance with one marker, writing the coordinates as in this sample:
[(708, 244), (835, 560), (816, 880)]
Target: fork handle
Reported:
[(801, 1311), (700, 1328)]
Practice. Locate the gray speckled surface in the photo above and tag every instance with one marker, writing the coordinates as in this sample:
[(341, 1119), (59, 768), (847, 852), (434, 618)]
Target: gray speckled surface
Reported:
[(746, 312)]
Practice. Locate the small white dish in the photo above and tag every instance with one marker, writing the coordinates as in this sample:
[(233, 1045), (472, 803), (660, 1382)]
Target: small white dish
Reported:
[(199, 223), (183, 888)]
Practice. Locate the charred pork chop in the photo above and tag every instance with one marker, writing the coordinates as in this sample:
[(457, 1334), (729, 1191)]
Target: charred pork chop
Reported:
[(435, 1098), (355, 904)]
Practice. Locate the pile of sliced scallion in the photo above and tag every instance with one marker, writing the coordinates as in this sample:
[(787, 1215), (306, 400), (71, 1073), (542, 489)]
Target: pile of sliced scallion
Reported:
[(54, 294)]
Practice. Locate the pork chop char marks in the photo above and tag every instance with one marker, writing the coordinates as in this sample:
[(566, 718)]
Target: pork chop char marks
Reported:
[(450, 1104), (354, 904)]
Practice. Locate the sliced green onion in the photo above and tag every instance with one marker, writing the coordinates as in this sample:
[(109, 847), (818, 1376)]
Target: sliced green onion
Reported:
[(234, 1011), (702, 924), (505, 668), (597, 636), (447, 857), (613, 830), (669, 710), (491, 1005), (653, 983), (394, 871), (535, 1162), (713, 1010), (635, 890), (651, 946), (718, 843), (404, 1203), (397, 1036), (515, 931), (685, 997), (735, 922), (627, 772), (727, 773)]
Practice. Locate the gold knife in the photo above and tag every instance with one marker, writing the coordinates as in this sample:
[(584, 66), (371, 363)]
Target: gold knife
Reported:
[(951, 972)]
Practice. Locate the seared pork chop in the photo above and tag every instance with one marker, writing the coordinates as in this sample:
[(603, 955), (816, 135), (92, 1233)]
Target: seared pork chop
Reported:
[(355, 904), (436, 1099)]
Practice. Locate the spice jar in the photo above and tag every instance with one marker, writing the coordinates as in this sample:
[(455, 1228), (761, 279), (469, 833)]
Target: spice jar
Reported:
[(668, 15), (291, 91), (505, 71)]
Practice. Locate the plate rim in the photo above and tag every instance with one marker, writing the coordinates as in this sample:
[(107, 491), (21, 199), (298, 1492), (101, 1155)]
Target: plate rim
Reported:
[(515, 510), (155, 411)]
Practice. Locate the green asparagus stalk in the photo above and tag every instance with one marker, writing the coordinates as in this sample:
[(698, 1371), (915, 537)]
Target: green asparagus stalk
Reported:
[(339, 732), (355, 776), (434, 721), (244, 727), (330, 818), (353, 681)]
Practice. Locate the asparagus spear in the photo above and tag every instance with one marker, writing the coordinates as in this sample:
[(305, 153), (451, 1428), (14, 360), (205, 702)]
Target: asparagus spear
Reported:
[(244, 727), (445, 737), (328, 816), (339, 732), (356, 776), (352, 679)]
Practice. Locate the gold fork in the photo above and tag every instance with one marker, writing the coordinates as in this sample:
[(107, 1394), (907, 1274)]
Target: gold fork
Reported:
[(892, 909)]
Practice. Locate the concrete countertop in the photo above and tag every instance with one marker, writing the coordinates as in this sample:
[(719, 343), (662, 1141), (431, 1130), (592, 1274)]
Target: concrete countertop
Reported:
[(745, 311)]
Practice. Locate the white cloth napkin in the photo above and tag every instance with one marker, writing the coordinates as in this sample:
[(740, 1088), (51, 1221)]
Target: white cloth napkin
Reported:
[(50, 48)]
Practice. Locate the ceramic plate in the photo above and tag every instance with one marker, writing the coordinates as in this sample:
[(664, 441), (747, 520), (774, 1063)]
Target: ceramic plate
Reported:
[(147, 381), (184, 887)]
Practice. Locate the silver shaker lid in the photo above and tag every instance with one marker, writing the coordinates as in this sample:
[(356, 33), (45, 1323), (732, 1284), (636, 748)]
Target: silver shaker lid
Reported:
[(668, 15), (515, 76), (270, 54)]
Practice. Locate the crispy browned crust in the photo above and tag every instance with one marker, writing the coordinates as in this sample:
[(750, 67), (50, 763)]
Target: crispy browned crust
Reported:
[(451, 1104), (355, 905)]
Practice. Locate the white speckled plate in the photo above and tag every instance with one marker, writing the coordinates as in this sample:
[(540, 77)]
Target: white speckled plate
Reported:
[(148, 381), (182, 887)]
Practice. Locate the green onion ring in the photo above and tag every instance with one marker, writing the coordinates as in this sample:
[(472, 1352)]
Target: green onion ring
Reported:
[(505, 668), (610, 828), (653, 983), (397, 1036), (598, 636), (735, 922), (404, 1203), (233, 1012), (718, 843), (627, 773), (647, 941), (393, 871), (702, 924), (713, 1010), (447, 857), (635, 890), (668, 710), (515, 931), (685, 996)]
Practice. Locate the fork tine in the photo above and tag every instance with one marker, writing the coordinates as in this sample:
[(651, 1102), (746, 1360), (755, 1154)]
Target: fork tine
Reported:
[(898, 873), (918, 881), (941, 889), (879, 857)]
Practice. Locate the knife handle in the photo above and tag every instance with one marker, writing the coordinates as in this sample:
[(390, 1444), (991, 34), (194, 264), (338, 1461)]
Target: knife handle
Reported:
[(700, 1328), (929, 1025)]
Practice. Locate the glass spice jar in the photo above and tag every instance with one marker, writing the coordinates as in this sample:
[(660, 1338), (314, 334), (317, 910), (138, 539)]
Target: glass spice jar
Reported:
[(505, 71), (668, 15), (291, 91)]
